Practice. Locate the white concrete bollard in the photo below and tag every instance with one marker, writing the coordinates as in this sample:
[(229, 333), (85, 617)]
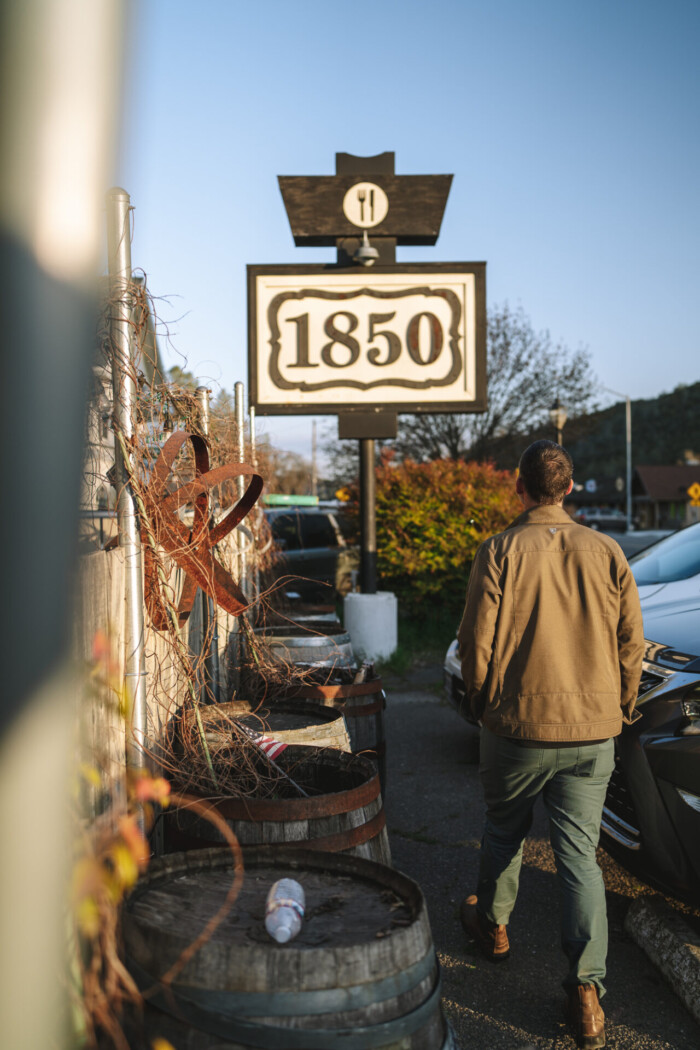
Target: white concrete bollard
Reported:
[(371, 620)]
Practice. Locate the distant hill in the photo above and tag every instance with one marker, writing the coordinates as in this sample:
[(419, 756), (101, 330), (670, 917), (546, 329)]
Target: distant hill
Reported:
[(663, 429)]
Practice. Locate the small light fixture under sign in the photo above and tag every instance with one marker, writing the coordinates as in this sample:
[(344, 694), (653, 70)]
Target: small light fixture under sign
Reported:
[(366, 255)]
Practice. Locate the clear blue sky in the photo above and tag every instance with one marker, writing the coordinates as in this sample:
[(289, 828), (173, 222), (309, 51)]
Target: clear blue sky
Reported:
[(572, 130)]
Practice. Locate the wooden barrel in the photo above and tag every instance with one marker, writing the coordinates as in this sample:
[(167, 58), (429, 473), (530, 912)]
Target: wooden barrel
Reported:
[(361, 974), (362, 704), (316, 642), (344, 812), (296, 721)]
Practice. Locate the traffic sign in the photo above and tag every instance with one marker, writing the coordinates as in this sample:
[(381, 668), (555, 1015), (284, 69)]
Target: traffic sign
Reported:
[(694, 493)]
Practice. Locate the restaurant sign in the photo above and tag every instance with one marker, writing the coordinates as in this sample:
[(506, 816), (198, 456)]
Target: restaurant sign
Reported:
[(408, 338)]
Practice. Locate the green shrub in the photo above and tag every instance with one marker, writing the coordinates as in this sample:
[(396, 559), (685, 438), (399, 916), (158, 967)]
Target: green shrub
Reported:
[(431, 517)]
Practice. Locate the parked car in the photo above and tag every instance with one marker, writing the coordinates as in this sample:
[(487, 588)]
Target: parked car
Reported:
[(607, 519), (309, 545), (668, 571), (651, 818)]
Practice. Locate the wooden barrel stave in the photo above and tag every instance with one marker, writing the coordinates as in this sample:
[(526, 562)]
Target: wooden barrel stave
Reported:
[(316, 643), (293, 996), (349, 819), (310, 833)]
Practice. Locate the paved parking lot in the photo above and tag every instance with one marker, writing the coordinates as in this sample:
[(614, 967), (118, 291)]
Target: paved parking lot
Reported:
[(434, 812)]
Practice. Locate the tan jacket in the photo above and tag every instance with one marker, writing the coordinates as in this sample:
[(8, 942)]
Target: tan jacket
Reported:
[(551, 640)]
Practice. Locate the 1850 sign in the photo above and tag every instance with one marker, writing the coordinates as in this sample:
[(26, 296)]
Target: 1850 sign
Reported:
[(410, 338)]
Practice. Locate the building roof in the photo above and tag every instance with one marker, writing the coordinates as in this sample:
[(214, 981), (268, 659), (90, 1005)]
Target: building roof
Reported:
[(668, 483)]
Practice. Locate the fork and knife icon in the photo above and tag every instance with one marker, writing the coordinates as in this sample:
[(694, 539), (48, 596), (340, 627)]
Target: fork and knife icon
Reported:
[(362, 197)]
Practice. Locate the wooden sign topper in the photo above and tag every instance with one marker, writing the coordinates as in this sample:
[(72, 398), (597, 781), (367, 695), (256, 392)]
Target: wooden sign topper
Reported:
[(323, 208)]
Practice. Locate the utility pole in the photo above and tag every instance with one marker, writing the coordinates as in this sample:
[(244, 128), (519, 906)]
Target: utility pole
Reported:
[(628, 450)]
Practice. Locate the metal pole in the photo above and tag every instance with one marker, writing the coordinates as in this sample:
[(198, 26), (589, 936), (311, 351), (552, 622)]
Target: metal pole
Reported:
[(628, 437), (258, 509), (210, 620), (239, 401), (368, 505), (314, 468), (253, 439), (628, 449), (202, 393), (124, 384)]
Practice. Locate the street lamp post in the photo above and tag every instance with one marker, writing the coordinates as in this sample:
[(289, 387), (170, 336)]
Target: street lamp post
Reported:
[(628, 449), (558, 416)]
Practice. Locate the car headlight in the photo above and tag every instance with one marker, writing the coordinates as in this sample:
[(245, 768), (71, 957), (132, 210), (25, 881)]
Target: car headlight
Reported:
[(690, 707), (690, 799)]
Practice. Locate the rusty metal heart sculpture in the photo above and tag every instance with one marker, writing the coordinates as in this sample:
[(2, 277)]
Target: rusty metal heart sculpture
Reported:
[(192, 549)]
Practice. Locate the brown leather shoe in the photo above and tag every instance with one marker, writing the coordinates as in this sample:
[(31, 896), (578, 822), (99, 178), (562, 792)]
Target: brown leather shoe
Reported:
[(586, 1016), (491, 938)]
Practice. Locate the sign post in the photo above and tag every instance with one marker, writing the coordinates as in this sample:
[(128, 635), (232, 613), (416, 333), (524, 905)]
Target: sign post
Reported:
[(367, 338)]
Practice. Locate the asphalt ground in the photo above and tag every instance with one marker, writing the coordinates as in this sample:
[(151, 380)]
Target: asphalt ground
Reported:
[(435, 812)]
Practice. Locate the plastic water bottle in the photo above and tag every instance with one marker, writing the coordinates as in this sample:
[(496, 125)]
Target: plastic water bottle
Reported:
[(284, 910)]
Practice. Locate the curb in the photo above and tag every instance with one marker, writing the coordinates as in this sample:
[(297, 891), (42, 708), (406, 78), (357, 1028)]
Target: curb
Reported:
[(671, 945)]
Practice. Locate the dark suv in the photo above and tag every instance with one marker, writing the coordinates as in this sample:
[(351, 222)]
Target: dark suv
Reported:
[(310, 546)]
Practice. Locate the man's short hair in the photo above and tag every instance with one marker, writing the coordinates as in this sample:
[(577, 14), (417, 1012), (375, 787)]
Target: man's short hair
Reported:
[(545, 470)]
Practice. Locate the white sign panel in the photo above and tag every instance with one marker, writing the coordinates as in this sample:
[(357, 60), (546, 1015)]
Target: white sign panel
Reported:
[(406, 338)]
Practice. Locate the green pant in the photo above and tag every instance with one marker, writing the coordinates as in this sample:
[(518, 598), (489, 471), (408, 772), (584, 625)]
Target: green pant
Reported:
[(572, 782)]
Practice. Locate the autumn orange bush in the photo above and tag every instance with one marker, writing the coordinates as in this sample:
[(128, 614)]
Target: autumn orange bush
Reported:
[(431, 517)]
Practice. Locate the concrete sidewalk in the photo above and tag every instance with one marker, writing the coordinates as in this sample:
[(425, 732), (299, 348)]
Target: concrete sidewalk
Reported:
[(435, 811)]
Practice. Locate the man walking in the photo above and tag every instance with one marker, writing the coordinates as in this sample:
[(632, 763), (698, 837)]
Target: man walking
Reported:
[(551, 645)]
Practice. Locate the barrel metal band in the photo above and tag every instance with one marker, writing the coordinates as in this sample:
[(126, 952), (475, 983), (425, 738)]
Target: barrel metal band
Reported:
[(352, 837), (218, 1013), (339, 692), (361, 710), (294, 808), (341, 840)]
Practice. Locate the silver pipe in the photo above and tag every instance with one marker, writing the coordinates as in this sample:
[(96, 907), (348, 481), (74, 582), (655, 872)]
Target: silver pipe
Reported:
[(125, 389), (210, 619), (203, 394), (239, 401), (253, 437), (258, 509)]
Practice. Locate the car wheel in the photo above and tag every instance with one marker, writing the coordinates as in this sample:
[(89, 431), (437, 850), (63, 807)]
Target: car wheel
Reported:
[(595, 526)]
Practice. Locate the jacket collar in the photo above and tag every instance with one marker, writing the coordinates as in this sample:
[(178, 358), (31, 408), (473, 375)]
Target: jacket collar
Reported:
[(544, 514)]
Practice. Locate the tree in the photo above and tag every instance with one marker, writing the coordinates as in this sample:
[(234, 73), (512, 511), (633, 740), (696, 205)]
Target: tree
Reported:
[(526, 372), (178, 376), (431, 517), (285, 472)]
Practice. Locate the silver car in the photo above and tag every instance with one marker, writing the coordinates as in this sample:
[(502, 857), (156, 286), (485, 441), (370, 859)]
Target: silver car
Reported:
[(668, 572)]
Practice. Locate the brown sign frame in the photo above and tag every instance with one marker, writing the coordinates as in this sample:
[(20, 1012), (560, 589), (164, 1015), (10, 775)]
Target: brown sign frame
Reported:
[(477, 404)]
